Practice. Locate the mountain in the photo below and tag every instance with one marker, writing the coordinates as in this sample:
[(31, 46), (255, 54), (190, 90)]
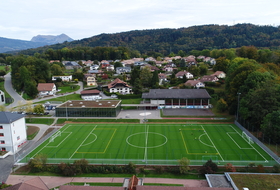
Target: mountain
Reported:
[(12, 45), (7, 44), (167, 40), (50, 39)]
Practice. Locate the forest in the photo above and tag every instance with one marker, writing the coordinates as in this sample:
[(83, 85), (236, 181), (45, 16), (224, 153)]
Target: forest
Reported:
[(165, 41)]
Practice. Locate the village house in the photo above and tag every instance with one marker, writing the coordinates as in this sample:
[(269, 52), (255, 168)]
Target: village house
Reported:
[(181, 74), (209, 78), (46, 89), (65, 78), (90, 94), (121, 70), (2, 97), (195, 83), (119, 86), (219, 74)]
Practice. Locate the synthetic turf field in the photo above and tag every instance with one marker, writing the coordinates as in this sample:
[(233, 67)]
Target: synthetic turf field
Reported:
[(160, 144)]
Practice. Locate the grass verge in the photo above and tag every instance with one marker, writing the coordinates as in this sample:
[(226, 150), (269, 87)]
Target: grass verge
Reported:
[(61, 121), (46, 121), (32, 131)]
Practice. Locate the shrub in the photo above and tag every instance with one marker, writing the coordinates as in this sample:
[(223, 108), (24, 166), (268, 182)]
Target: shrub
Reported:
[(209, 168)]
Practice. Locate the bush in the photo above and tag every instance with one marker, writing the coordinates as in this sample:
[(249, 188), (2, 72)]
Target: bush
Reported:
[(209, 168)]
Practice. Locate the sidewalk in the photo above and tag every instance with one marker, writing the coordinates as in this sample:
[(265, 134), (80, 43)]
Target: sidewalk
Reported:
[(52, 182)]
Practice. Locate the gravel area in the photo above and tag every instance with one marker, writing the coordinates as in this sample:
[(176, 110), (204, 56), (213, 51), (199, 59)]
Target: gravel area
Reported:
[(218, 180)]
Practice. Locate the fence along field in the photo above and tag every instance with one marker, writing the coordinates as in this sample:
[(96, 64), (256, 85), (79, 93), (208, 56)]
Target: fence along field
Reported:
[(154, 144)]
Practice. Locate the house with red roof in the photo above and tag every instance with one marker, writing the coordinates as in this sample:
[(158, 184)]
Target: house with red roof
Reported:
[(119, 86), (46, 89)]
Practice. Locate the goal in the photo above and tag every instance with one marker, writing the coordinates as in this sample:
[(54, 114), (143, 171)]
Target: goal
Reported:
[(58, 133), (247, 138)]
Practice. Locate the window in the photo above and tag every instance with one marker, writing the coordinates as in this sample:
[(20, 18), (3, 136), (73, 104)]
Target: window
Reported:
[(1, 134), (3, 149), (1, 126), (2, 142)]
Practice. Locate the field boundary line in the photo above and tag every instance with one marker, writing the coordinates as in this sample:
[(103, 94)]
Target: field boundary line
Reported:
[(82, 142), (252, 146), (212, 143), (235, 141), (61, 141), (95, 140)]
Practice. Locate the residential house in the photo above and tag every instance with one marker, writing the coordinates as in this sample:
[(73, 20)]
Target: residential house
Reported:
[(181, 74), (119, 86), (12, 132), (150, 59), (90, 94), (195, 83), (52, 61), (2, 97), (139, 63), (96, 72), (88, 63), (110, 68), (91, 81), (190, 60), (72, 65), (168, 68), (220, 74), (46, 89), (63, 78), (121, 70), (94, 67), (153, 68), (209, 78), (210, 61)]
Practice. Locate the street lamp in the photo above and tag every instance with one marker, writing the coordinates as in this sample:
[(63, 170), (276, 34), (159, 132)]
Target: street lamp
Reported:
[(237, 105)]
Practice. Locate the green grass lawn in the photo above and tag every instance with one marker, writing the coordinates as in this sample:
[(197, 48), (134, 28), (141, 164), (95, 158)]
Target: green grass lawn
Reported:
[(152, 144), (68, 88)]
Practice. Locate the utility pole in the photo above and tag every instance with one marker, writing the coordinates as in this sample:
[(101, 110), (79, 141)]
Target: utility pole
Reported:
[(237, 105)]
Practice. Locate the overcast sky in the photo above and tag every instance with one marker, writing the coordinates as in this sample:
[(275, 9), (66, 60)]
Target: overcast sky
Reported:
[(23, 19)]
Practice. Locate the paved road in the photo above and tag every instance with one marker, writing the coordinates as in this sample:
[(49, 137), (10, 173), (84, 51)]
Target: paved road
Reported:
[(9, 88)]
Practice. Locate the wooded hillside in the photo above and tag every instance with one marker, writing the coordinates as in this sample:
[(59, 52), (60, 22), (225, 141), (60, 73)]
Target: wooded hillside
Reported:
[(165, 41)]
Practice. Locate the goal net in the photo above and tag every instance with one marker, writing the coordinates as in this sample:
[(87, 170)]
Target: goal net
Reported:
[(58, 133), (247, 138)]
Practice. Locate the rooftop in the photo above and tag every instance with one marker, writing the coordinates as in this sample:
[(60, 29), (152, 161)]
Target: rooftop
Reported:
[(90, 104)]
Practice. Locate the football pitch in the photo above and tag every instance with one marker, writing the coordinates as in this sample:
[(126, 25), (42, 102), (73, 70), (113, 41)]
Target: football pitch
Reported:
[(151, 144)]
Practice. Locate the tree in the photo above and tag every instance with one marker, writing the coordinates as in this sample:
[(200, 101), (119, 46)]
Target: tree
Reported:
[(39, 109), (146, 76), (118, 64), (230, 168), (56, 69), (38, 162), (31, 89), (221, 105), (182, 63), (203, 69), (184, 165), (137, 87), (155, 79), (222, 64), (271, 126), (209, 168), (2, 73), (135, 73)]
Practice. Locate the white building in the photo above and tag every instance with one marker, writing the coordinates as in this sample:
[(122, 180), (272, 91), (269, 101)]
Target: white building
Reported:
[(63, 78), (119, 86), (12, 131), (2, 98)]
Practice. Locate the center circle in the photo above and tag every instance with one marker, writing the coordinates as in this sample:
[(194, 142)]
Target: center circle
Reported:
[(146, 140)]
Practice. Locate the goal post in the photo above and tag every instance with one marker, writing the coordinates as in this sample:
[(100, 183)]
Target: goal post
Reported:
[(247, 138), (58, 133)]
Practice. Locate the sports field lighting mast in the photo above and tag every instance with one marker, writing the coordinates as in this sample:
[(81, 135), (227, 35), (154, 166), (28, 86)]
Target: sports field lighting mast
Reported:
[(238, 94)]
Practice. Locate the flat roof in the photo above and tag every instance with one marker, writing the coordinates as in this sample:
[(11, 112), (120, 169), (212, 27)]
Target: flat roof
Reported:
[(90, 104)]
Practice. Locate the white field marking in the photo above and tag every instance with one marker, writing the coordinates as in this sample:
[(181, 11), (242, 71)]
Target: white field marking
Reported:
[(48, 142), (252, 147), (235, 141), (203, 142), (91, 141), (127, 141), (82, 142), (62, 140), (212, 143), (146, 145)]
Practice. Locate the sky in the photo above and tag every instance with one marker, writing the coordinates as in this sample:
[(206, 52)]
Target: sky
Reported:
[(24, 19)]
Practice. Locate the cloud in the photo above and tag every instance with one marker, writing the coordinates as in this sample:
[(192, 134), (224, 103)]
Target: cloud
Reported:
[(85, 18)]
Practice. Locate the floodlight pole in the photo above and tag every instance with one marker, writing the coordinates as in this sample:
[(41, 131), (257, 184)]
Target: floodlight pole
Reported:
[(237, 105)]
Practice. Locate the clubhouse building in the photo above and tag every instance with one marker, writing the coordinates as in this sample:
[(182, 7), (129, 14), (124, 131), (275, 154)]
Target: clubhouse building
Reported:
[(97, 108), (178, 98)]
